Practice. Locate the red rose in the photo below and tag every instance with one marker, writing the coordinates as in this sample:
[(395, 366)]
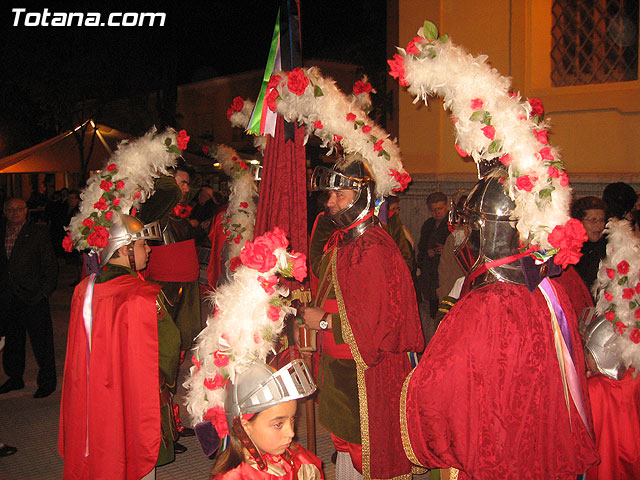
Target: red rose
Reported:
[(505, 159), (243, 165), (183, 139), (476, 104), (230, 111), (361, 87), (628, 293), (214, 383), (237, 239), (623, 267), (137, 195), (635, 335), (621, 327), (567, 256), (108, 215), (318, 124), (274, 81), (258, 255), (119, 185), (378, 145), (638, 288), (636, 314), (116, 201), (267, 284), (525, 182), (237, 104), (366, 129), (273, 313), (564, 179), (351, 117), (196, 363), (244, 205), (397, 69), (536, 106), (101, 204), (67, 243), (235, 263), (277, 238), (218, 418), (402, 178), (99, 237), (220, 359), (541, 135), (553, 172), (205, 149), (181, 210), (609, 315), (111, 167), (611, 273), (106, 185), (569, 239), (337, 138), (545, 153), (460, 151), (489, 132), (412, 47), (297, 81), (608, 296), (87, 222), (300, 267)]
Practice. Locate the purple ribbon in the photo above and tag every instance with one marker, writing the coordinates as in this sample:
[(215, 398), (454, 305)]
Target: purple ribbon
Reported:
[(562, 320)]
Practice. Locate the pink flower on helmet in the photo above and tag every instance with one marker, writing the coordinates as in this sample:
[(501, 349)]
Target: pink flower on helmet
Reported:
[(218, 418), (541, 135), (610, 315), (536, 106), (220, 359), (297, 81), (299, 267), (525, 182), (564, 179), (258, 255), (546, 154), (505, 159), (218, 381), (568, 238), (623, 267), (476, 104), (273, 313), (277, 237), (412, 47), (267, 284), (489, 132), (377, 147), (397, 69), (553, 172), (99, 237)]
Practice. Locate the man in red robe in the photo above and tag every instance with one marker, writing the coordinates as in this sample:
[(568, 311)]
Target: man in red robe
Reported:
[(122, 355), (366, 312), (488, 397)]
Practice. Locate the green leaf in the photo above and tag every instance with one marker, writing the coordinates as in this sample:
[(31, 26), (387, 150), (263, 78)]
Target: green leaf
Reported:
[(359, 123), (84, 230), (486, 119), (476, 116), (431, 53), (386, 155), (495, 146), (167, 141), (633, 305), (317, 92), (546, 192), (429, 30), (623, 280), (444, 38)]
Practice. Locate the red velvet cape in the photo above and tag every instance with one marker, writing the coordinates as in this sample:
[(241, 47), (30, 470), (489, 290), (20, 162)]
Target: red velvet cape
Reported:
[(380, 305), (487, 396), (616, 423), (123, 407)]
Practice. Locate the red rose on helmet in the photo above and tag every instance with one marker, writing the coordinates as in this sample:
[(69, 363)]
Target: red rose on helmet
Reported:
[(101, 204), (258, 255), (87, 222), (67, 243), (610, 315), (235, 263), (635, 335), (623, 267), (99, 237), (366, 129), (267, 284), (628, 293), (183, 139), (277, 237), (300, 267), (218, 418), (536, 106), (273, 313), (361, 87), (214, 383), (111, 167), (569, 239), (525, 182), (106, 185), (220, 359), (297, 81)]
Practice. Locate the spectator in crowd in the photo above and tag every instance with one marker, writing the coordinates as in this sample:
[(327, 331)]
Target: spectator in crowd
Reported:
[(433, 234), (591, 212), (28, 276), (635, 222), (620, 198)]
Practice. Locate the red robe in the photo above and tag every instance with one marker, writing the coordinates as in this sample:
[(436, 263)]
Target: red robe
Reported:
[(303, 466), (121, 403), (616, 423), (487, 396), (374, 285)]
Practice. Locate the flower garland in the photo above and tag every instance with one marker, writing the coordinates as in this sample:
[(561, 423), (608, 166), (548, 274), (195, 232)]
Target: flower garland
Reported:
[(490, 122), (305, 96), (240, 218), (618, 290), (126, 181), (248, 317)]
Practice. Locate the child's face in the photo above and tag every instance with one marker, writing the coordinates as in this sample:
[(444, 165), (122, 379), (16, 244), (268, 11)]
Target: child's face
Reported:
[(272, 430), (592, 367)]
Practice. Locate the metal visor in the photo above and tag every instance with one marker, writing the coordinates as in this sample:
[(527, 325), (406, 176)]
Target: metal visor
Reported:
[(324, 178)]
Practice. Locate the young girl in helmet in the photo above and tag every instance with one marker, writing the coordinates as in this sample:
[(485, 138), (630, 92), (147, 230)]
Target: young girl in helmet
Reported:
[(261, 434)]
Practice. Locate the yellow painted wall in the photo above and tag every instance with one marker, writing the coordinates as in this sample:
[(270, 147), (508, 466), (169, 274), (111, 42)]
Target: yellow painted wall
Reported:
[(597, 127)]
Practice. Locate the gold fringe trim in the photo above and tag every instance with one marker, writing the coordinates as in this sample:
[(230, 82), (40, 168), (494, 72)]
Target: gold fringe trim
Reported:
[(404, 428)]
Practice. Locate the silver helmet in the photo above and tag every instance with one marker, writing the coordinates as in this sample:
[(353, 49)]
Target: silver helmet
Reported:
[(490, 232), (596, 337), (350, 173), (260, 387), (127, 229)]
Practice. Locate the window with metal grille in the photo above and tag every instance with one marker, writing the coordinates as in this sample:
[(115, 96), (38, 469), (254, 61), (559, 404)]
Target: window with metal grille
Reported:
[(594, 41)]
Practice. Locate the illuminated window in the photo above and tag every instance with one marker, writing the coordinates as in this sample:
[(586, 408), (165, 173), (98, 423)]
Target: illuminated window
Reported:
[(594, 41)]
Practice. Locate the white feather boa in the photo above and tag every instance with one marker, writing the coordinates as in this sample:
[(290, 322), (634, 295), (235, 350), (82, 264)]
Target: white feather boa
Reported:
[(240, 119), (131, 171), (336, 118), (618, 291), (491, 122), (249, 316), (240, 218)]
